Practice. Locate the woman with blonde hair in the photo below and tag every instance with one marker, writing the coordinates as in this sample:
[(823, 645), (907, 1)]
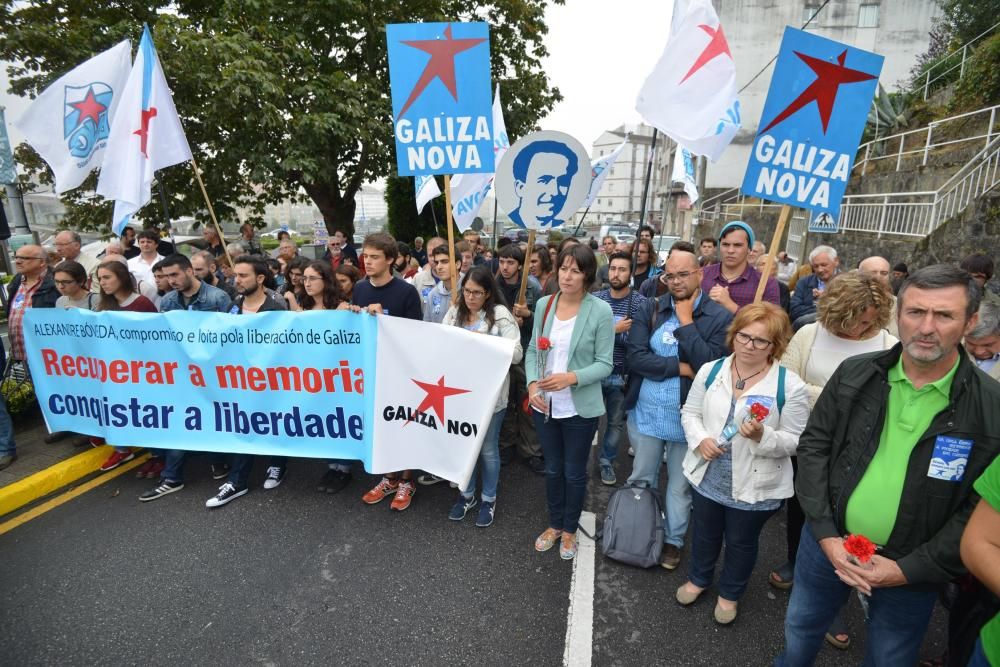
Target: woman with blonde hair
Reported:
[(852, 314), (742, 421)]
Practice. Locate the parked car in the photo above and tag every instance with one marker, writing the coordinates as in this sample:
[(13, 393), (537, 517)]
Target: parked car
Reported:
[(273, 234), (517, 234)]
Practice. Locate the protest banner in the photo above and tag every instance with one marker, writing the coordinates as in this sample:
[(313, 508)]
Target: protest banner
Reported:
[(541, 181), (290, 384), (439, 77), (816, 109)]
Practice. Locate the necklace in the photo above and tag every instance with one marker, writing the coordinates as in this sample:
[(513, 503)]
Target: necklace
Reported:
[(741, 382)]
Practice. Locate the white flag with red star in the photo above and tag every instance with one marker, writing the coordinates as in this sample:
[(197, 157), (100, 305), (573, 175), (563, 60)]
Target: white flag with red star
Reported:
[(691, 93), (146, 135)]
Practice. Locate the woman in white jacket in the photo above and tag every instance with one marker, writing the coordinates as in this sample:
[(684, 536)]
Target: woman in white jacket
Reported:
[(739, 468), (477, 310)]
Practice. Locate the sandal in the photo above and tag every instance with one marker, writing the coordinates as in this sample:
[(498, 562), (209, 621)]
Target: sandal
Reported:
[(782, 578), (837, 630), (547, 540), (567, 546)]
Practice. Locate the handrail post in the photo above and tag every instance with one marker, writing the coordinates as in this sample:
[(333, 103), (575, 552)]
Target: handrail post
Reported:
[(881, 221), (899, 157), (927, 146), (927, 84), (961, 71), (864, 165), (989, 129)]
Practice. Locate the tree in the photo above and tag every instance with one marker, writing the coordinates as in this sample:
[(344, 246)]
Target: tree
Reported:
[(280, 99), (404, 222)]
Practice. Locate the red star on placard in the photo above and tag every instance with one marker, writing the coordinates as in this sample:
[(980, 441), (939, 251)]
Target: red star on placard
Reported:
[(143, 132), (716, 47), (436, 393), (89, 108), (441, 65), (823, 91)]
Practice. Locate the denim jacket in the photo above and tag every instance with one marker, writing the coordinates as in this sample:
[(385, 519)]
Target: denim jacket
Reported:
[(206, 299)]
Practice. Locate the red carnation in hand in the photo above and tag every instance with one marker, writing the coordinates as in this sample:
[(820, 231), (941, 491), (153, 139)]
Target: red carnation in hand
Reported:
[(759, 412), (544, 343), (860, 547)]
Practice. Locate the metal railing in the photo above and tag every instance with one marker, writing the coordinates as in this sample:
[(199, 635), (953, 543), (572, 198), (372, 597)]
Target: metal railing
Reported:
[(921, 141), (961, 55), (920, 213)]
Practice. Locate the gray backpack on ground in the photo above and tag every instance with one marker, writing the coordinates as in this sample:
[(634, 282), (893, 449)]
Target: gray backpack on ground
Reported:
[(633, 527)]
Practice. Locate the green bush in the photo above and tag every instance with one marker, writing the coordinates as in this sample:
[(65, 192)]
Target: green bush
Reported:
[(20, 397), (980, 86)]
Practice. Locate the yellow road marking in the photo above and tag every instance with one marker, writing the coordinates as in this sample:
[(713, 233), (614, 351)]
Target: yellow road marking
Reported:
[(63, 498)]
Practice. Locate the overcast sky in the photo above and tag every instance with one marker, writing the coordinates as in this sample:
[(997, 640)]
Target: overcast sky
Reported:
[(600, 53)]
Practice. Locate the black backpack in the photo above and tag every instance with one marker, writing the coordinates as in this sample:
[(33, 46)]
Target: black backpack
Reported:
[(633, 527)]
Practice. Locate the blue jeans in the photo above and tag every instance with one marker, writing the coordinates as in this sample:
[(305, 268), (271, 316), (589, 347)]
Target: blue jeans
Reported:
[(173, 469), (614, 406), (566, 446), (714, 523), (897, 617), (7, 447), (489, 461), (978, 658), (242, 464), (646, 472)]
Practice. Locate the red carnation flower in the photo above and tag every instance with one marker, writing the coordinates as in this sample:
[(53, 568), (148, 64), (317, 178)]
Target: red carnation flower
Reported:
[(759, 412), (860, 547), (544, 343)]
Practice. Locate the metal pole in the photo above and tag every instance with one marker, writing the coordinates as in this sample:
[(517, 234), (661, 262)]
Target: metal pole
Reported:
[(17, 214), (495, 237), (668, 200), (645, 194), (582, 218)]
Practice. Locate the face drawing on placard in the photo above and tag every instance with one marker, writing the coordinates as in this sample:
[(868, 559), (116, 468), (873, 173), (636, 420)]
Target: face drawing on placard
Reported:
[(543, 172)]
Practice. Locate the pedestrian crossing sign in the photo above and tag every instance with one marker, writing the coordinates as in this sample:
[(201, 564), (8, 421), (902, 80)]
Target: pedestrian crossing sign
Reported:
[(824, 222)]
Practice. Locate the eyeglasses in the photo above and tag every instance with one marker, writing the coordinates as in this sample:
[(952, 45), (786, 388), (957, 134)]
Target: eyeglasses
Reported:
[(477, 293), (22, 258), (758, 343), (677, 277)]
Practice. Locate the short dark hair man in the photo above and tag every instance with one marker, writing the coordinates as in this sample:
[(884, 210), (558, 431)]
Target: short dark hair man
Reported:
[(625, 303), (129, 248), (732, 283), (891, 451), (707, 248), (517, 433), (646, 232), (252, 278), (207, 270), (543, 173)]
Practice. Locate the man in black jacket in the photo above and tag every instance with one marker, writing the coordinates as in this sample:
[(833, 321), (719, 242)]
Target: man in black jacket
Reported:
[(891, 451)]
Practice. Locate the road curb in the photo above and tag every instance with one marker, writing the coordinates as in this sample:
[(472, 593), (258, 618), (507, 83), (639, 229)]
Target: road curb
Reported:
[(20, 493)]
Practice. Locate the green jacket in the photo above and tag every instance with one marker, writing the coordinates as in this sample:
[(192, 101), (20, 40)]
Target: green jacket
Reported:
[(841, 438), (591, 349)]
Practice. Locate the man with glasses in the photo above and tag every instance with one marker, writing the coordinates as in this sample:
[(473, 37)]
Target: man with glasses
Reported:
[(625, 303), (32, 287), (672, 336)]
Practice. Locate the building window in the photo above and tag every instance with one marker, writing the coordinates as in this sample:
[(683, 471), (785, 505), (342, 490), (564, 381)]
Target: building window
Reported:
[(807, 13), (868, 16)]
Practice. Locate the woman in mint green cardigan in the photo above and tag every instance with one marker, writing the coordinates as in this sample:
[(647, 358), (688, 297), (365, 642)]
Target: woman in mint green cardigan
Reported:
[(568, 356)]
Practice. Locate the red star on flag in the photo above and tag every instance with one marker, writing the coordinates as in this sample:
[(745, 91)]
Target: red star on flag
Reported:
[(89, 108), (436, 393), (823, 91), (143, 132), (441, 65), (717, 46)]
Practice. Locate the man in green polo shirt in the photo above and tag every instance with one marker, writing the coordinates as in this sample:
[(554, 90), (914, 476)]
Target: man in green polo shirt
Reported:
[(981, 554), (891, 451)]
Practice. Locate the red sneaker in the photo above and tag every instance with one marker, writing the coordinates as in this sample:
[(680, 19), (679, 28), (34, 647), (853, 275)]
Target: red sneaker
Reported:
[(382, 490), (96, 442), (156, 468), (116, 460), (404, 495), (144, 468)]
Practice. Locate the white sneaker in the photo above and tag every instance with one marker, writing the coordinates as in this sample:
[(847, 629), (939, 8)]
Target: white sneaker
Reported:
[(227, 492), (275, 475)]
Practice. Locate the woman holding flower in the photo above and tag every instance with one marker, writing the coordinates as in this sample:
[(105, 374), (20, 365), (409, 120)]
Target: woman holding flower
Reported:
[(570, 352), (742, 421)]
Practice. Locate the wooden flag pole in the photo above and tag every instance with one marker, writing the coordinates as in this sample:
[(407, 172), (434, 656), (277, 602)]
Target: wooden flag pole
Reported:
[(211, 211), (524, 269), (786, 213), (451, 237)]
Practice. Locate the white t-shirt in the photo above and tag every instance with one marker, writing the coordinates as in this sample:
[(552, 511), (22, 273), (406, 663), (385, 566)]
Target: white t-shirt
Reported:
[(561, 335), (829, 350), (143, 271)]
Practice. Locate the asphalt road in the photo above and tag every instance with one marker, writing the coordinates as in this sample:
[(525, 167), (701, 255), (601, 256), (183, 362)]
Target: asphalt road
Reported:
[(295, 577)]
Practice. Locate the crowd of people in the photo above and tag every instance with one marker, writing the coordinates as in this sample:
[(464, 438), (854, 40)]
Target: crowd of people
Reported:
[(865, 401)]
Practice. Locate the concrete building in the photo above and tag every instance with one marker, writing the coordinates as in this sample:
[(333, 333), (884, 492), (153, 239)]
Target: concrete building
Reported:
[(898, 30), (620, 198)]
